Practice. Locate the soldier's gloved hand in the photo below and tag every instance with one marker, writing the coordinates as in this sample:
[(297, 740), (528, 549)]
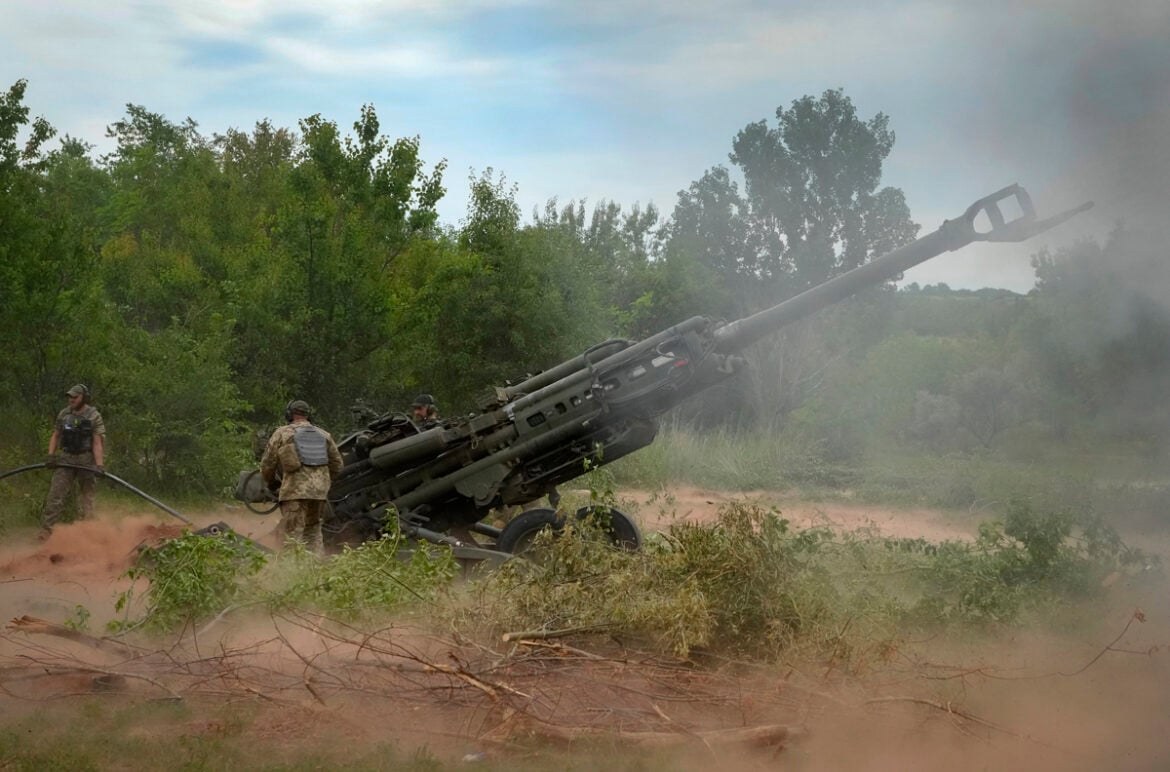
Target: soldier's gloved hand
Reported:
[(101, 468), (51, 460)]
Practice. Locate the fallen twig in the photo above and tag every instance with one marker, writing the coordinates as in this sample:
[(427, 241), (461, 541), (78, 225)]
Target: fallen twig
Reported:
[(765, 736), (1138, 616), (33, 625), (950, 709), (546, 634)]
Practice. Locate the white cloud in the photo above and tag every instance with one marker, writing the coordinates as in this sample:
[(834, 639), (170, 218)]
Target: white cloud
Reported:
[(410, 61)]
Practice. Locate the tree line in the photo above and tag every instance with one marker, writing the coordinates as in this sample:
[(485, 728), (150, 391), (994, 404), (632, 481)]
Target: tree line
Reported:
[(197, 283)]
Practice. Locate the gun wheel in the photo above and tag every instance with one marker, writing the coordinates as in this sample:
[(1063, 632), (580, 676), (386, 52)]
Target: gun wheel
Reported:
[(517, 536), (615, 524)]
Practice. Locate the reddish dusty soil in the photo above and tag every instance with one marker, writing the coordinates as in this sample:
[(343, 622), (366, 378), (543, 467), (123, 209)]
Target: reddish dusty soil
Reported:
[(1094, 696), (655, 510)]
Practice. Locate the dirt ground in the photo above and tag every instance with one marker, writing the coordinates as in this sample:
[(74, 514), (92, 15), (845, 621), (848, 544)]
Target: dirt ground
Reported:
[(656, 510), (1093, 696)]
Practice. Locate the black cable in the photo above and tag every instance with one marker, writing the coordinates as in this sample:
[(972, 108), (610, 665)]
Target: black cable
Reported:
[(102, 473)]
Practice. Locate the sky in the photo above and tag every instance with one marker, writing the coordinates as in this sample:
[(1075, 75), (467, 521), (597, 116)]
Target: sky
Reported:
[(631, 101)]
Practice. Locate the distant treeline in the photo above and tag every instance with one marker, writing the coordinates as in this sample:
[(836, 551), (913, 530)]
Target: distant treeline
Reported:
[(197, 283)]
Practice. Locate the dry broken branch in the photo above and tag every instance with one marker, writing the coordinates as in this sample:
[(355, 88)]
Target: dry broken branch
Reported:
[(33, 625)]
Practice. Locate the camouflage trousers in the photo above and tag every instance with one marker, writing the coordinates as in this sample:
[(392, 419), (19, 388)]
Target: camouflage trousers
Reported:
[(300, 519), (61, 486)]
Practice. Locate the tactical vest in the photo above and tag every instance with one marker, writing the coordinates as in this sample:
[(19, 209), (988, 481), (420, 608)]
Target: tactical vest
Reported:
[(312, 446), (76, 433)]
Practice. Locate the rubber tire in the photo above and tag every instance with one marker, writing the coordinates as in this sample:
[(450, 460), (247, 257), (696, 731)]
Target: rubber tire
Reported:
[(620, 529), (517, 535)]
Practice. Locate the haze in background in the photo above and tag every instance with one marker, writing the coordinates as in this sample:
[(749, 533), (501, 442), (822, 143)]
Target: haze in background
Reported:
[(632, 101)]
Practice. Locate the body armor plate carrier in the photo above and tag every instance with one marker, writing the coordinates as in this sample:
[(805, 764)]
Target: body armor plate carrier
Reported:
[(76, 434), (312, 447)]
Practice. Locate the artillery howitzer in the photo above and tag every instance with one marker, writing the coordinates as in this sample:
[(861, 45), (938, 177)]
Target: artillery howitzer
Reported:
[(530, 437)]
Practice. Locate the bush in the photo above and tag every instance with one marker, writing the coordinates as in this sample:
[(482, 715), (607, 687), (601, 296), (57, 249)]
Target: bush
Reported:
[(745, 584), (372, 579), (749, 585), (1032, 558), (193, 577), (189, 578)]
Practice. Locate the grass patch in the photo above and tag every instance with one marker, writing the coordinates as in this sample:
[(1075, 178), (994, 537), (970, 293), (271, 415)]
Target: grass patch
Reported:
[(748, 585), (190, 579), (196, 736), (724, 460)]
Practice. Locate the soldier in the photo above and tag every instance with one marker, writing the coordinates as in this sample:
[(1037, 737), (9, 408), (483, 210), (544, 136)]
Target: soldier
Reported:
[(424, 412), (302, 460), (79, 433)]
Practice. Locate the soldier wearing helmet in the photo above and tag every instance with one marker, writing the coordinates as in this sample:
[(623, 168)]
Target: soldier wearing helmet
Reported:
[(300, 462), (79, 434), (424, 412)]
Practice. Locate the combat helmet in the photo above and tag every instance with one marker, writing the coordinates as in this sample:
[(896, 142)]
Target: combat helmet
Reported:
[(297, 407)]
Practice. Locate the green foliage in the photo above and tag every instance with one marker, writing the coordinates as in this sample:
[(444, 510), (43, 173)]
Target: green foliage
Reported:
[(79, 619), (812, 190), (600, 482), (745, 584), (21, 501), (763, 587), (376, 578), (499, 303), (192, 578), (1034, 558), (726, 460), (748, 584), (674, 288), (189, 579), (1099, 337), (51, 310), (175, 411), (582, 583)]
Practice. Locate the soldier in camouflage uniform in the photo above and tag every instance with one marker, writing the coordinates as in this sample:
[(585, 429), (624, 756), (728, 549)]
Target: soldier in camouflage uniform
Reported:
[(79, 433), (302, 460), (424, 412)]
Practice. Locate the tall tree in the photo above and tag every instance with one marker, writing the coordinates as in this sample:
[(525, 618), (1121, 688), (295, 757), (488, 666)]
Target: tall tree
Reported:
[(812, 190), (500, 299), (811, 209), (1100, 336), (612, 250), (811, 206), (315, 317), (711, 224), (50, 303)]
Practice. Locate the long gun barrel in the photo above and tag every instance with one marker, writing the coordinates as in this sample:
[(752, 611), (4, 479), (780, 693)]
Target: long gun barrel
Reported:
[(952, 235)]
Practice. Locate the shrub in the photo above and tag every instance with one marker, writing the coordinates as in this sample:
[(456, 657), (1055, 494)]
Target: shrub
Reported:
[(193, 577), (749, 585), (189, 578), (372, 579)]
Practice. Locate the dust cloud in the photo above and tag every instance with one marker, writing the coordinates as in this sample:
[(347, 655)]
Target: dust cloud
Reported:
[(1081, 101), (82, 563)]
